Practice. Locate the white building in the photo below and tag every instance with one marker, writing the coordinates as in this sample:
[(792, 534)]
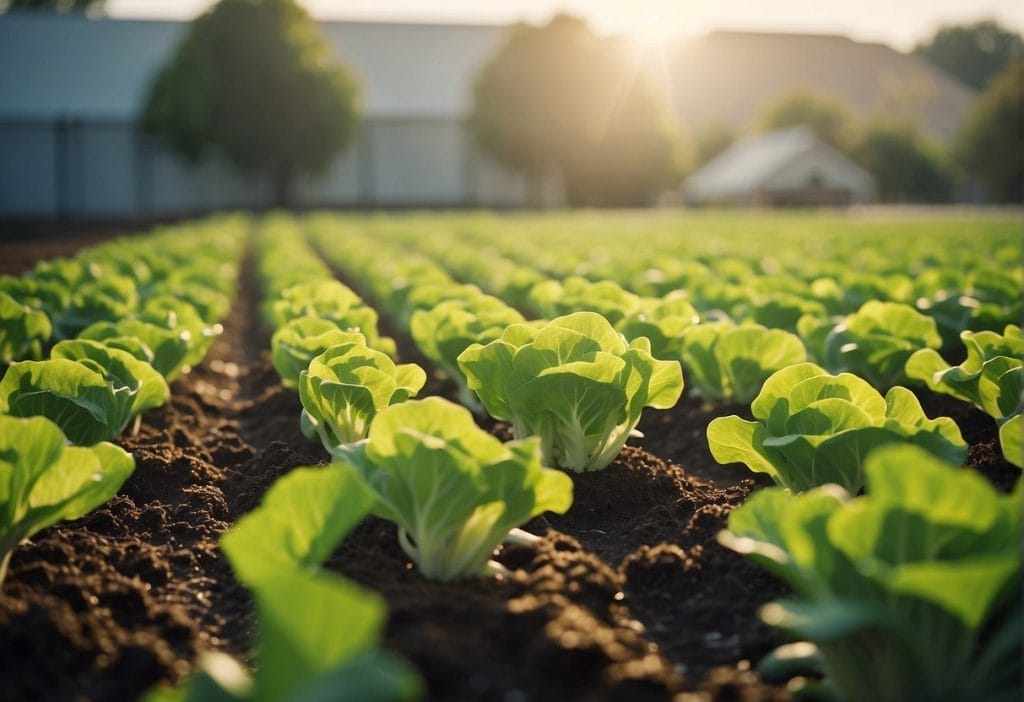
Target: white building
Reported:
[(71, 88), (785, 167)]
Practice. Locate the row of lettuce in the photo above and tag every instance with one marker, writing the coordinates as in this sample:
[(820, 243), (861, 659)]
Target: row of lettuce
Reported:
[(905, 567), (573, 383), (89, 343)]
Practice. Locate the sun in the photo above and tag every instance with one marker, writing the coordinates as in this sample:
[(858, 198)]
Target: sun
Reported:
[(648, 30)]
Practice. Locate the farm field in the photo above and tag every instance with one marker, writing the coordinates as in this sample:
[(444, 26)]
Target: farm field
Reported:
[(630, 593)]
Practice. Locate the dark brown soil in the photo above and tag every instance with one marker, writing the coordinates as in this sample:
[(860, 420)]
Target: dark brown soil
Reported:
[(627, 597)]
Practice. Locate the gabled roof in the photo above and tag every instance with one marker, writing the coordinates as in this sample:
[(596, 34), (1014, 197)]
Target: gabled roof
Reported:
[(753, 162), (730, 76)]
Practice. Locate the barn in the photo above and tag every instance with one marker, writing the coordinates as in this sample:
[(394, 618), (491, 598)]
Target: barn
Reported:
[(786, 167)]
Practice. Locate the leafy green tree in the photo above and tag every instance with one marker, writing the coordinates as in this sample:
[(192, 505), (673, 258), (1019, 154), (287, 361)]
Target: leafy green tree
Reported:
[(830, 118), (991, 145), (712, 139), (905, 166), (55, 5), (974, 53), (254, 79), (559, 99)]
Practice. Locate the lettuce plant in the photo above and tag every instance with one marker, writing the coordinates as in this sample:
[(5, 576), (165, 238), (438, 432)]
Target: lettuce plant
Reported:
[(297, 342), (663, 320), (911, 591), (168, 312), (105, 297), (326, 299), (574, 382), (989, 356), (319, 633), (552, 298), (43, 481), (23, 331), (811, 428), (345, 386), (164, 349), (445, 331), (723, 361), (875, 342), (992, 379), (91, 391), (454, 491)]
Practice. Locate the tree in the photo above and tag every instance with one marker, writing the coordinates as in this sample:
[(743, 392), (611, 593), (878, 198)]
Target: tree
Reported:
[(56, 5), (974, 53), (711, 140), (905, 166), (254, 80), (559, 99), (991, 145), (830, 118)]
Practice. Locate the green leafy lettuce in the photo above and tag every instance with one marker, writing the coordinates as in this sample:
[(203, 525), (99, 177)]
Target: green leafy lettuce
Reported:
[(875, 342), (319, 633), (573, 382), (91, 391), (911, 591), (991, 378), (723, 361), (297, 342), (23, 331), (811, 428), (164, 349), (446, 330), (43, 481), (345, 386), (454, 490)]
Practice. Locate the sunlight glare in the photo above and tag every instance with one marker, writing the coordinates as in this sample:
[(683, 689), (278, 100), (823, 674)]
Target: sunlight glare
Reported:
[(649, 31)]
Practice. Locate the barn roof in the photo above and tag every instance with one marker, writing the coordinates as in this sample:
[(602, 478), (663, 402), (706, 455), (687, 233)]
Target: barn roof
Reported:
[(751, 163), (729, 77), (100, 68)]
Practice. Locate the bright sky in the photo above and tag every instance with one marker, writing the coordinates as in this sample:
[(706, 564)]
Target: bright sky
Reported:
[(900, 23)]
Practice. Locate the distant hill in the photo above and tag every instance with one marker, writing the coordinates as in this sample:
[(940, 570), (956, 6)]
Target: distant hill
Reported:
[(730, 76)]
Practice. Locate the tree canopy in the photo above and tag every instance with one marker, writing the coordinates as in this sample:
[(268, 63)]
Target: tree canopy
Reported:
[(254, 80), (991, 145), (830, 118), (974, 53), (905, 166), (558, 98)]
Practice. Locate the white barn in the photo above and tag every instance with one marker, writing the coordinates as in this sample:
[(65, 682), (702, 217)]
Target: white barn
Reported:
[(71, 87), (784, 167)]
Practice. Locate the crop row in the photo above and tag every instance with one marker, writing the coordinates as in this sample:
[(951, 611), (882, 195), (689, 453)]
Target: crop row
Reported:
[(904, 566), (90, 343)]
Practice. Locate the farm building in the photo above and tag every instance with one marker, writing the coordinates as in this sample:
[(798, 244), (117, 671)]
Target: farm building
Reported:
[(71, 87), (787, 167)]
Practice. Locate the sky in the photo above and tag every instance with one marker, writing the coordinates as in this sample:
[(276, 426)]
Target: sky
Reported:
[(899, 23)]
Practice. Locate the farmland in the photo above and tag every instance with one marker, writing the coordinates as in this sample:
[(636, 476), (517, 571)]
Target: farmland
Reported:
[(565, 335)]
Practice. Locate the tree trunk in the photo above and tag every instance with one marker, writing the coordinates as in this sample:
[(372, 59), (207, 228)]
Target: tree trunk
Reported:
[(283, 185)]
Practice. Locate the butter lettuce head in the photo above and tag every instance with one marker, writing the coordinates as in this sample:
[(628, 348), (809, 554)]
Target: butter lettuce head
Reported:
[(811, 428), (43, 481), (454, 490), (575, 383), (911, 591), (345, 387)]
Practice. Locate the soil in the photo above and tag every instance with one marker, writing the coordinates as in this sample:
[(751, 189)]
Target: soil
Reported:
[(627, 597)]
